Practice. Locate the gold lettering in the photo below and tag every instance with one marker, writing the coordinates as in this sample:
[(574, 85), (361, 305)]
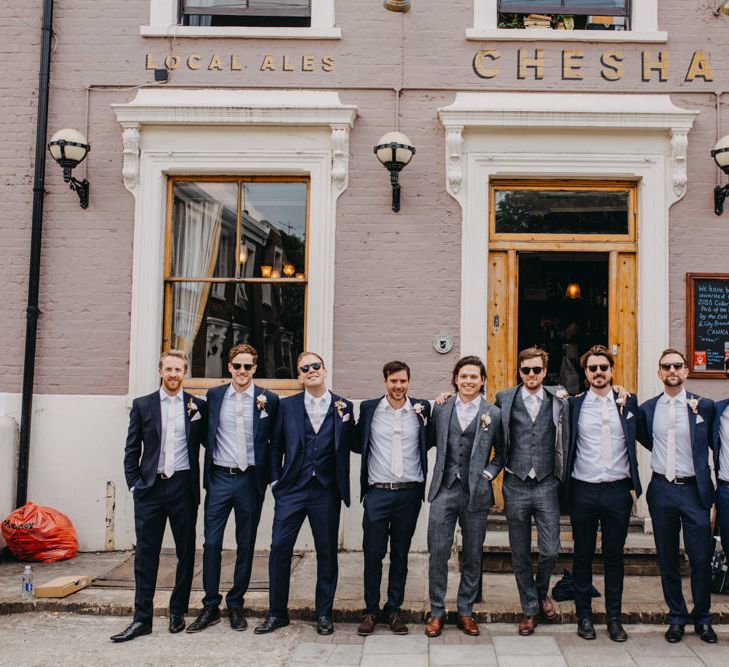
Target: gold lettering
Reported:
[(234, 64), (193, 61), (480, 67), (307, 63), (527, 62), (268, 64), (572, 64), (699, 68), (149, 64), (215, 63), (650, 66), (172, 61), (327, 63), (286, 65), (612, 65)]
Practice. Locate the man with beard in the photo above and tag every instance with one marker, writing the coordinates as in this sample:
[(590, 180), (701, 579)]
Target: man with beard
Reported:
[(676, 426), (602, 468)]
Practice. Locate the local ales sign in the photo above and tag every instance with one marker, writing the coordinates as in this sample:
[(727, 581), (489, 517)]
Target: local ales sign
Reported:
[(220, 62)]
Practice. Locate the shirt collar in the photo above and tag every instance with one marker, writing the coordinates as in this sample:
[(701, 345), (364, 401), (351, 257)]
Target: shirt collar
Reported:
[(476, 402), (680, 397), (593, 397), (310, 399), (163, 395), (231, 391), (384, 404), (526, 394)]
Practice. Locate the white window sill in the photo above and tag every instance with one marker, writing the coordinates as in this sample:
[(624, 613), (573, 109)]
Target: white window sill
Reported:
[(537, 34), (240, 32)]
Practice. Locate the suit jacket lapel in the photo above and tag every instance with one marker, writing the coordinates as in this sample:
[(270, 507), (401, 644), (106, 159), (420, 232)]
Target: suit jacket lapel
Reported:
[(509, 397), (444, 424), (337, 421), (157, 415), (186, 414), (257, 391), (480, 431), (300, 418), (691, 419)]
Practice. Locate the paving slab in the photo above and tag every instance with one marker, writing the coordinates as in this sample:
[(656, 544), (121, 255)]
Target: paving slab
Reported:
[(512, 646), (597, 656), (401, 645), (522, 661), (441, 656), (312, 653)]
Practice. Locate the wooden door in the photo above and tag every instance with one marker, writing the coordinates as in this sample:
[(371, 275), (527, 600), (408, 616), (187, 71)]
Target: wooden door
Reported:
[(623, 317)]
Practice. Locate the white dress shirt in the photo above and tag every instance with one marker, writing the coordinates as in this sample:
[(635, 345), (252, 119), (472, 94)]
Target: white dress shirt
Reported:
[(226, 437), (390, 425), (659, 456), (182, 460), (466, 412), (589, 464), (317, 408), (724, 445)]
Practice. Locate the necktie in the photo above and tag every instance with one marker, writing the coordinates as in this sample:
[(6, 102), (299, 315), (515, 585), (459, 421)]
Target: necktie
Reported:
[(396, 453), (170, 439), (533, 407), (607, 445), (671, 454), (240, 433), (316, 417)]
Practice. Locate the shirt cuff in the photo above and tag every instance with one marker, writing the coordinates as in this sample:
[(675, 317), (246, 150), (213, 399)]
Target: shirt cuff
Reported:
[(487, 474)]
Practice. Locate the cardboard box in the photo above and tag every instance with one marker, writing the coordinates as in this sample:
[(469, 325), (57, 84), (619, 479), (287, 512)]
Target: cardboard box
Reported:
[(60, 587)]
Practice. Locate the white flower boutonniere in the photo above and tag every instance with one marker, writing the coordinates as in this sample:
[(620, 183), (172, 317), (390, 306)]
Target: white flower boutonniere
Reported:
[(340, 405), (191, 407), (261, 405), (419, 407), (693, 403), (620, 402), (485, 421), (562, 394)]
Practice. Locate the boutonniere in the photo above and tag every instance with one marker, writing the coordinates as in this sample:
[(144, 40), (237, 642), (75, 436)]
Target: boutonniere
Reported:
[(562, 394), (340, 405), (485, 421), (419, 407), (261, 405), (693, 403), (620, 402), (191, 407)]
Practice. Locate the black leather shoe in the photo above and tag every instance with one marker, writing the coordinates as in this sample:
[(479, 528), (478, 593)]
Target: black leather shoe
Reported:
[(208, 616), (586, 629), (674, 634), (132, 631), (324, 625), (177, 623), (616, 631), (237, 620), (270, 624), (706, 633)]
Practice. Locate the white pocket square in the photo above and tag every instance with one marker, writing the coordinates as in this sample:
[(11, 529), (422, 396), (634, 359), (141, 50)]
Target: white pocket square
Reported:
[(263, 414), (630, 415), (699, 419), (195, 417), (346, 417)]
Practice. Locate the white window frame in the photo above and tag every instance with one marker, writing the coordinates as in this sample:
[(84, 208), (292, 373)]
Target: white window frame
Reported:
[(164, 22), (643, 27), (175, 132)]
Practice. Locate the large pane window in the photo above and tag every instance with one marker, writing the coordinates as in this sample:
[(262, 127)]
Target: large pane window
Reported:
[(236, 272), (577, 14), (284, 13)]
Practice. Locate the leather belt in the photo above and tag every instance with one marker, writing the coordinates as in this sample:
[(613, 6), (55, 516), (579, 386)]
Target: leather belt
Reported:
[(723, 482), (615, 482), (232, 471), (395, 486), (676, 480), (161, 475)]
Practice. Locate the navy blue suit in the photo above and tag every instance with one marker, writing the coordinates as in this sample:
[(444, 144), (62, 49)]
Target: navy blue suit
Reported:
[(157, 499), (722, 492), (310, 477), (674, 506), (242, 492), (605, 503), (388, 514)]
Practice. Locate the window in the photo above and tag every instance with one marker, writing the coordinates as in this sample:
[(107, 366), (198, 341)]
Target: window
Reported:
[(272, 13), (565, 14), (236, 271)]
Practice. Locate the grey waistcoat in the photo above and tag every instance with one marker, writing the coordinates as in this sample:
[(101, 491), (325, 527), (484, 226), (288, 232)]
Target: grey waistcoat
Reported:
[(458, 451), (531, 444)]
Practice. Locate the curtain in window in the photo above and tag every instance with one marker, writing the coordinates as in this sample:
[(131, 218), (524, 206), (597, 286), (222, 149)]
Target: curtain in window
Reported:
[(195, 254)]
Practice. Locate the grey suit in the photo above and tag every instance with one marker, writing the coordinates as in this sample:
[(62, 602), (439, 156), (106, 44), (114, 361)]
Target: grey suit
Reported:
[(540, 445), (460, 493)]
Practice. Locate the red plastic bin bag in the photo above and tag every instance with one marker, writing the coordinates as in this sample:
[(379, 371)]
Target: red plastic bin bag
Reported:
[(40, 534)]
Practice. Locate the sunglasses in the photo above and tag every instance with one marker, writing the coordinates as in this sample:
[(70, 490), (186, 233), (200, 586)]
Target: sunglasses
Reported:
[(305, 368), (667, 367), (528, 370), (245, 367), (593, 367)]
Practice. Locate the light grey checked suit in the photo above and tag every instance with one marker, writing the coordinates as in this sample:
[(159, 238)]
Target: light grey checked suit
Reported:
[(525, 497), (464, 500)]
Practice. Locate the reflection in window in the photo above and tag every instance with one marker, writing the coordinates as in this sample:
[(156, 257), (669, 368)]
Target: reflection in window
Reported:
[(267, 13), (237, 273), (569, 14)]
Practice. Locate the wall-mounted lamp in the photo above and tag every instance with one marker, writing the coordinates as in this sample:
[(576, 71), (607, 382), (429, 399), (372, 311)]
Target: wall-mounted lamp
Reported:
[(720, 153), (573, 291), (397, 5), (722, 8), (69, 148), (394, 150)]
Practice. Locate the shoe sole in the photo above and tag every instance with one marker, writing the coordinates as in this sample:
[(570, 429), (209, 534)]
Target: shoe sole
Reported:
[(587, 637), (240, 629), (365, 634), (400, 632), (265, 632), (128, 639), (192, 630), (620, 640)]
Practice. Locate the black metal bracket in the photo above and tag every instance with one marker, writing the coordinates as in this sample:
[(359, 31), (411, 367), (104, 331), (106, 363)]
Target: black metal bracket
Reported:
[(395, 168), (81, 188), (720, 194)]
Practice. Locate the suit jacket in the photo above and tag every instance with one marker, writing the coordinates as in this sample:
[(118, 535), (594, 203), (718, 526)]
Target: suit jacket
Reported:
[(560, 415), (629, 422), (701, 433), (716, 442), (488, 437), (144, 441), (361, 440), (264, 419), (287, 443)]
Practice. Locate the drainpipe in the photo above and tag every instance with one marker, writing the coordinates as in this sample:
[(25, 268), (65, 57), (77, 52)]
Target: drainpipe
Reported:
[(31, 329)]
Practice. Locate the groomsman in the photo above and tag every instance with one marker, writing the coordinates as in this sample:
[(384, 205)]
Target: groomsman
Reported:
[(602, 468), (310, 450), (391, 437), (465, 430), (161, 467), (677, 426), (720, 442), (534, 420), (240, 421)]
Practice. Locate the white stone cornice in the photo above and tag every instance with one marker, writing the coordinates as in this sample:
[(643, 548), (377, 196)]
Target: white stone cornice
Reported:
[(130, 167), (679, 148), (340, 157), (454, 159)]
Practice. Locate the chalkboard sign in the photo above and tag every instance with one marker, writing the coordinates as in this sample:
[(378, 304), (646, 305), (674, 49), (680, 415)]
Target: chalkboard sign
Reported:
[(707, 323)]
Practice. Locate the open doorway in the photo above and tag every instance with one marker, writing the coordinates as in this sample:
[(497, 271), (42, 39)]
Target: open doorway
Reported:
[(563, 309)]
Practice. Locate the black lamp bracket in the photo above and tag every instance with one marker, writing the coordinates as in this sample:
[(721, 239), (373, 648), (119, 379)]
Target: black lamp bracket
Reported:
[(720, 194)]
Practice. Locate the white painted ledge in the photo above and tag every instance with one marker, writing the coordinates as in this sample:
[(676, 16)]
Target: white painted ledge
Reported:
[(549, 35), (239, 32)]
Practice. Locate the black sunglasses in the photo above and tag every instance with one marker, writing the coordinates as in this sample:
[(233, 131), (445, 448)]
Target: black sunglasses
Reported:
[(527, 370), (316, 365), (667, 367), (246, 367), (593, 367)]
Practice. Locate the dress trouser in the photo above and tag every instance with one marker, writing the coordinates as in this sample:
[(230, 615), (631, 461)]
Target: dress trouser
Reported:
[(607, 504), (722, 507), (171, 499)]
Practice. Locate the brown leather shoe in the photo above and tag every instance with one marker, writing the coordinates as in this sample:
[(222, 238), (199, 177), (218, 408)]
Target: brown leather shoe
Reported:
[(468, 625), (527, 625), (546, 606), (367, 626), (396, 624), (434, 626)]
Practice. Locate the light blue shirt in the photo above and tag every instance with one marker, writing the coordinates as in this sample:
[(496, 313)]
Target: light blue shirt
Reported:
[(226, 437), (182, 459), (659, 455), (391, 428)]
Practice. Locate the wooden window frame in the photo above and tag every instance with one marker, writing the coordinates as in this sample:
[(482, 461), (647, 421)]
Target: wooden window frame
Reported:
[(271, 12), (201, 384)]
